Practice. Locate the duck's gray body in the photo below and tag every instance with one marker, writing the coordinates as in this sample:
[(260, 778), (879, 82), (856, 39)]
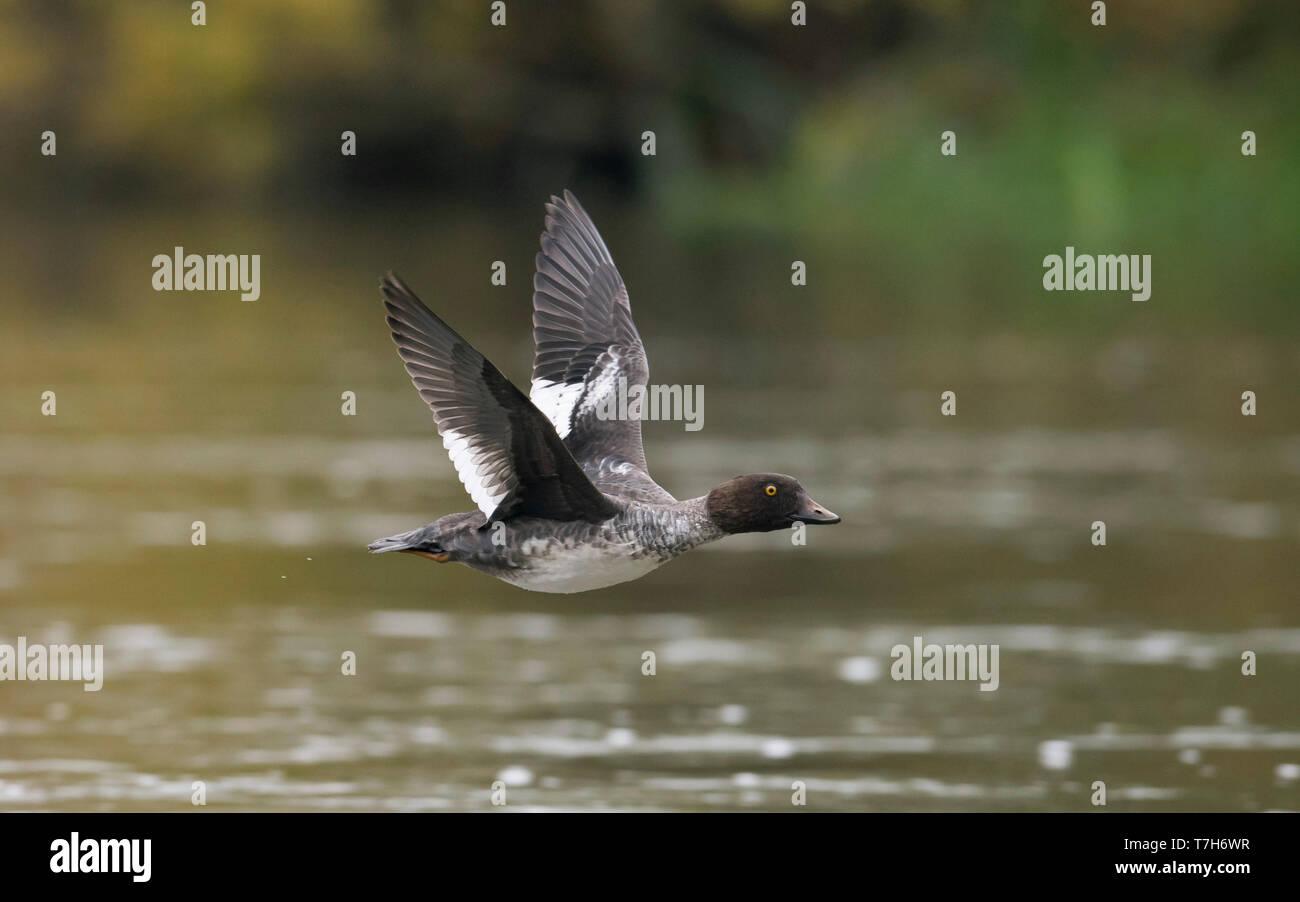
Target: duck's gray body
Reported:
[(565, 501), (546, 556)]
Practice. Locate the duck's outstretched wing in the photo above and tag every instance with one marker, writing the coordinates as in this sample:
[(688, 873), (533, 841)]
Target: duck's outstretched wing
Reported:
[(505, 451), (588, 352)]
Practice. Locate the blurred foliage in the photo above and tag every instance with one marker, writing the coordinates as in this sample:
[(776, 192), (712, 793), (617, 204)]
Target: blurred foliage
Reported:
[(1123, 138)]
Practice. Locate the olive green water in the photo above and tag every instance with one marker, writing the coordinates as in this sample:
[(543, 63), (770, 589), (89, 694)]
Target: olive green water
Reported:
[(1118, 663)]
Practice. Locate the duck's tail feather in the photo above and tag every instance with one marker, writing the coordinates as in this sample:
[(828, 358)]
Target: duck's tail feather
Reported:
[(415, 540)]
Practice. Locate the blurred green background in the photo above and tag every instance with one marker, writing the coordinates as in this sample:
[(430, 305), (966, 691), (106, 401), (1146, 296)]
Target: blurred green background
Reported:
[(1123, 136), (774, 143)]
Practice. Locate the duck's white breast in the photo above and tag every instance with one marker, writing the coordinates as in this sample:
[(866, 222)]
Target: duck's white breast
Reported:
[(556, 567)]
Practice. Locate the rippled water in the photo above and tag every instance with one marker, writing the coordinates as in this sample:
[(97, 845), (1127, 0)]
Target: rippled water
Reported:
[(250, 701), (773, 662), (1119, 664)]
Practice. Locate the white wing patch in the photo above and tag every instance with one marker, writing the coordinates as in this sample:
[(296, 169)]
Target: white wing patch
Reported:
[(487, 496), (560, 401), (599, 390), (557, 400)]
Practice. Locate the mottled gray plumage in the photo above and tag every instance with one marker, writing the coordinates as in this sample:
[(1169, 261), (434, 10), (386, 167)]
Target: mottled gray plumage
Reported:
[(565, 500)]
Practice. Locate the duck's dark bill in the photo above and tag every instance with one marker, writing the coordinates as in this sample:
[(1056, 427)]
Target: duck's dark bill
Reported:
[(811, 512)]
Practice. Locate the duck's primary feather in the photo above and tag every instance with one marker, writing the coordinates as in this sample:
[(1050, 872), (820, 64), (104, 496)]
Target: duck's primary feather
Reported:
[(507, 454), (588, 350)]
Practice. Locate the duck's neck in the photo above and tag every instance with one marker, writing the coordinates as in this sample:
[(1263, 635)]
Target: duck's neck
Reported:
[(671, 529), (698, 525)]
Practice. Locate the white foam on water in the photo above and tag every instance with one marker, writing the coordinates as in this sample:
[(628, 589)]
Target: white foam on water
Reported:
[(1055, 754)]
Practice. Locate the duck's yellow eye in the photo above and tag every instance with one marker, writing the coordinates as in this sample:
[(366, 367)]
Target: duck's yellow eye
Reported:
[(771, 490)]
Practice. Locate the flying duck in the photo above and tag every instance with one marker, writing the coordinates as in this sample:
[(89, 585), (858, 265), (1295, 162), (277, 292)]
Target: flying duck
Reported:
[(565, 502)]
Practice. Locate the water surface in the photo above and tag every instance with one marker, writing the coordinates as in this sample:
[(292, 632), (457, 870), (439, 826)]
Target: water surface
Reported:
[(1118, 663)]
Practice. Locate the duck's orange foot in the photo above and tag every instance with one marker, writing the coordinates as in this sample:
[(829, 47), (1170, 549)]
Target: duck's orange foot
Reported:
[(442, 558)]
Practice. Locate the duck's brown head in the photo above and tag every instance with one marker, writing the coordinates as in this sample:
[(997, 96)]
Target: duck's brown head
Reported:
[(762, 502)]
